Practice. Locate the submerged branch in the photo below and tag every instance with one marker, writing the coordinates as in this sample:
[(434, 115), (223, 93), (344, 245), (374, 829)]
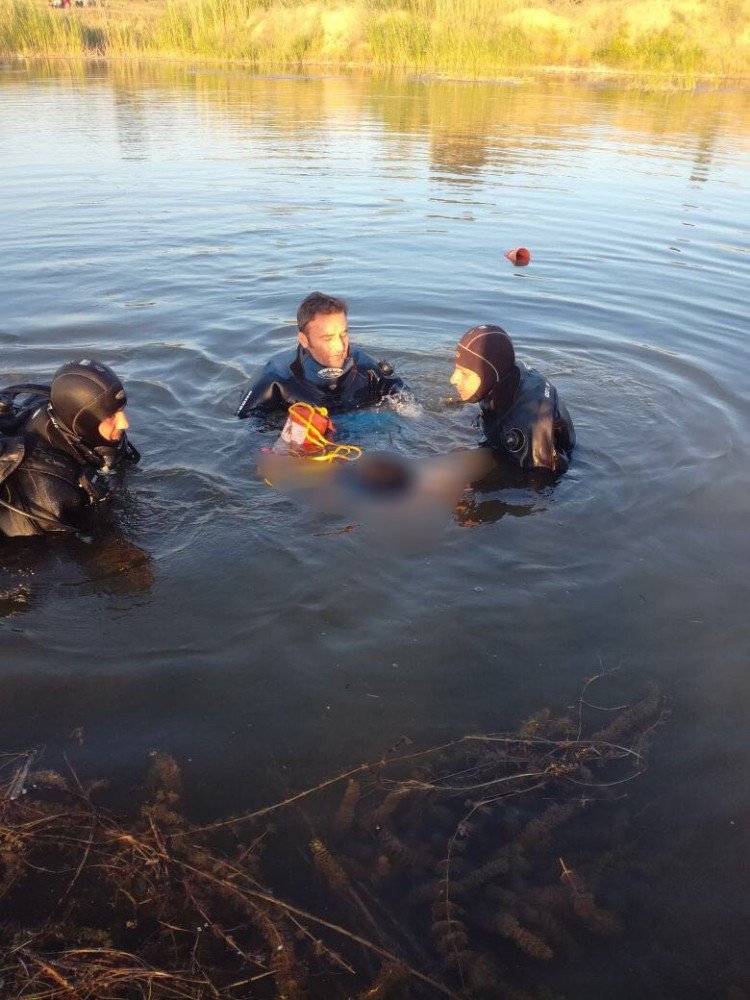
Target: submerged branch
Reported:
[(402, 867)]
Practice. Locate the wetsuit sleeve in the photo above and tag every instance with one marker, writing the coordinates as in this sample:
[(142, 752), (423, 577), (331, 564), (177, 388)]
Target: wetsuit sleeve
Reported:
[(11, 456), (42, 503), (383, 379), (553, 437), (565, 434), (73, 509), (390, 383), (543, 439), (263, 394)]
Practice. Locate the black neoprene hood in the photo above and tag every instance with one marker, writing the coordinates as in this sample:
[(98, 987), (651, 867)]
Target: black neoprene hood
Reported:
[(83, 394), (488, 352)]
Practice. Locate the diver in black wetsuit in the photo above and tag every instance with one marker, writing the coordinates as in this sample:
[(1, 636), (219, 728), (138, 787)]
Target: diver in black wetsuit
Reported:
[(55, 441), (523, 419), (323, 370)]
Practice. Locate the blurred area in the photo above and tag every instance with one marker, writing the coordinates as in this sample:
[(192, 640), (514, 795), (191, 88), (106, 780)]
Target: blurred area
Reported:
[(403, 502)]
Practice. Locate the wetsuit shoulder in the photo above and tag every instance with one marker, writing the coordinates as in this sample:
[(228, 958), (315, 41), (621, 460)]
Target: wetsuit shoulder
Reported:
[(536, 431), (18, 403), (268, 389), (381, 374), (43, 493)]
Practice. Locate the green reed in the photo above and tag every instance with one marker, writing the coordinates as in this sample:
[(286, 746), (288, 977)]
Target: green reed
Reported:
[(27, 28), (457, 38)]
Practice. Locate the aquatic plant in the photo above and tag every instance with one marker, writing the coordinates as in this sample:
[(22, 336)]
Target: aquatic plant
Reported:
[(420, 874)]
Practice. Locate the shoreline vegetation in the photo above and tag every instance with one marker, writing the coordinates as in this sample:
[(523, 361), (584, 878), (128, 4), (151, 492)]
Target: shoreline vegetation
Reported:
[(653, 42)]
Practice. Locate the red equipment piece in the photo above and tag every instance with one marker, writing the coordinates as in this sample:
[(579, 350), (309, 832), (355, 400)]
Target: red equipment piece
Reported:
[(307, 429), (520, 256)]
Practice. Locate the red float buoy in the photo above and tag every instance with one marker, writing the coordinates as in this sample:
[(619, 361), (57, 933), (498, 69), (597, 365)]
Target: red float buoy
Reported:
[(520, 256)]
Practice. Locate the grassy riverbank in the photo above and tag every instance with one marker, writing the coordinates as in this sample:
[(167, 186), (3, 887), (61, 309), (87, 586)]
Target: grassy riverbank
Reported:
[(476, 39)]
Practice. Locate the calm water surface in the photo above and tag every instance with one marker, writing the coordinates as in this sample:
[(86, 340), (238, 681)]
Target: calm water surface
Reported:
[(169, 221)]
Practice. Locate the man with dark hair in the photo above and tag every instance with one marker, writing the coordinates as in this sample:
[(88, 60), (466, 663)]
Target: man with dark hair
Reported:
[(323, 370), (524, 420), (54, 442)]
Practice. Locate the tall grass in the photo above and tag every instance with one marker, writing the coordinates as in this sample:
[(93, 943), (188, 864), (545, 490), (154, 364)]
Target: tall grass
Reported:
[(29, 28), (459, 38)]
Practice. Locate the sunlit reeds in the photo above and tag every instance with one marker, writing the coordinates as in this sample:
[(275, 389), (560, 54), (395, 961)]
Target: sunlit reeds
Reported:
[(458, 38)]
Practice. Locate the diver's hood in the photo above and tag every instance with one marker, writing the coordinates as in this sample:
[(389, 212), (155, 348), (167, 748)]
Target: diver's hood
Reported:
[(488, 352), (83, 394), (105, 457)]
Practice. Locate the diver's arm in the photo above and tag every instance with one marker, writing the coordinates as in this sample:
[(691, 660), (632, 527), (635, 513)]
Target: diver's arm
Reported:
[(553, 437), (541, 453), (390, 382), (28, 507), (74, 511), (565, 432), (263, 394), (383, 379)]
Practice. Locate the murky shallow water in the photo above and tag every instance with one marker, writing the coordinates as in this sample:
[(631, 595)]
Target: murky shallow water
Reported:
[(169, 221)]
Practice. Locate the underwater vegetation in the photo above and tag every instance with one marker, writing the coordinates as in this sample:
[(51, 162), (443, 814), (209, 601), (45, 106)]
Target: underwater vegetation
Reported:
[(14, 600), (453, 871)]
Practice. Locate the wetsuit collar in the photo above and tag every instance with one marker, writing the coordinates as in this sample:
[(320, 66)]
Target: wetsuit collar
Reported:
[(59, 435), (503, 394), (104, 457), (319, 375)]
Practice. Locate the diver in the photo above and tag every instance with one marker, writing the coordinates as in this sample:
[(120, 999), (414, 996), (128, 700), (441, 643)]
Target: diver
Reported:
[(324, 370), (524, 422), (56, 442)]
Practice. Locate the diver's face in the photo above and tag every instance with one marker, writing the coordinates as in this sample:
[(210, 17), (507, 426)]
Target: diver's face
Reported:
[(112, 428), (327, 339), (466, 382)]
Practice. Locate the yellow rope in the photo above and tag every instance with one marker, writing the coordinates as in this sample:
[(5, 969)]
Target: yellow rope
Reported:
[(342, 452)]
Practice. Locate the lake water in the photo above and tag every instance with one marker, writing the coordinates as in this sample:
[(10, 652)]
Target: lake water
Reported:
[(168, 221)]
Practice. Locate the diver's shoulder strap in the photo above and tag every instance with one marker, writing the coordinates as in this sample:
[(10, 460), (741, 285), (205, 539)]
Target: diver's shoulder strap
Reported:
[(18, 402), (26, 389)]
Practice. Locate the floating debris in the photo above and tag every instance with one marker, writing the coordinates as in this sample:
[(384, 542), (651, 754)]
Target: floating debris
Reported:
[(520, 256)]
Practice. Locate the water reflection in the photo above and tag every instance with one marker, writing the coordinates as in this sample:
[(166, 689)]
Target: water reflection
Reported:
[(111, 563), (470, 126), (173, 218), (131, 122), (14, 600), (505, 492)]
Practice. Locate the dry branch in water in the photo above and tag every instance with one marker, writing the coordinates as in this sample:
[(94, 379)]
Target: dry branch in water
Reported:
[(422, 871)]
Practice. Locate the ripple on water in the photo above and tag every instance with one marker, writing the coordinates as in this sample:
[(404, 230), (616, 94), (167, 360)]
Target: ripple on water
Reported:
[(215, 205)]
